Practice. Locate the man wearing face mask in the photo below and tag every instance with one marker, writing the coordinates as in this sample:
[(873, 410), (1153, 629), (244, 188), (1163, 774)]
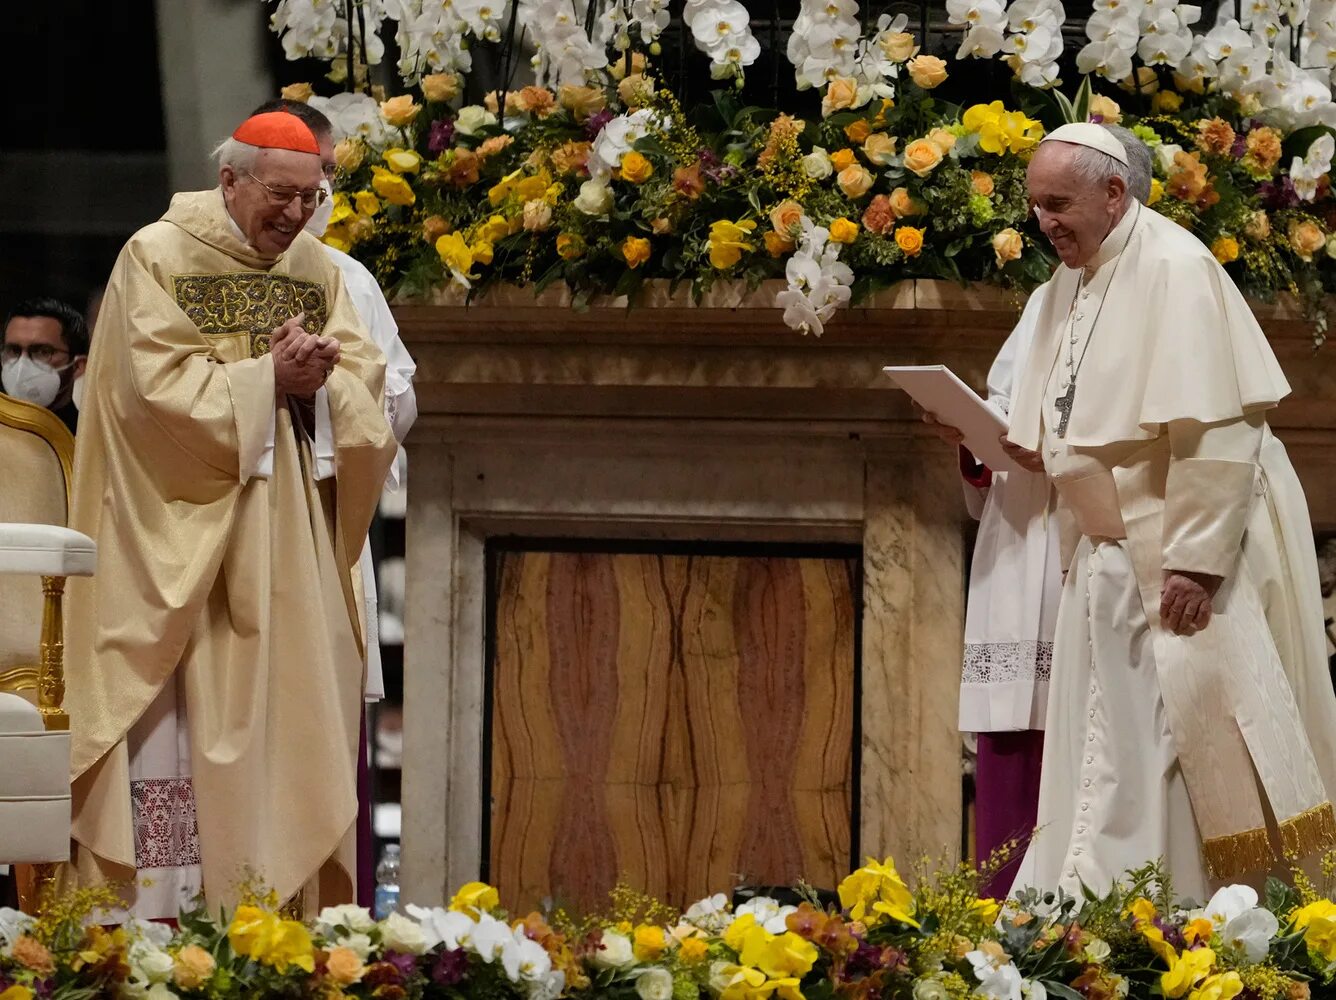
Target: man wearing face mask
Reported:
[(45, 350), (215, 661)]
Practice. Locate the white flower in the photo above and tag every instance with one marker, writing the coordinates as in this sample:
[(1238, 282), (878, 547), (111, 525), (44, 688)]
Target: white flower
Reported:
[(710, 914), (524, 960), (655, 984), (768, 913), (358, 944), (616, 952), (930, 988), (595, 198), (472, 118), (817, 165), (444, 927), (1233, 910), (818, 282), (353, 116), (997, 981), (1097, 951), (13, 925), (160, 991), (1164, 156), (615, 140), (490, 938), (399, 933), (347, 916)]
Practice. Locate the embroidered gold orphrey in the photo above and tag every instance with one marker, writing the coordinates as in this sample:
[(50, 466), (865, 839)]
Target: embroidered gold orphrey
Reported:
[(249, 303)]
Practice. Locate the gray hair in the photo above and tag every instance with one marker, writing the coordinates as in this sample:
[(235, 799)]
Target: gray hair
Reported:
[(236, 154), (1138, 162)]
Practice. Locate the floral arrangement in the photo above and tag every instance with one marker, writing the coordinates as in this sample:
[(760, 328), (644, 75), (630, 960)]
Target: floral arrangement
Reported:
[(939, 941), (594, 176)]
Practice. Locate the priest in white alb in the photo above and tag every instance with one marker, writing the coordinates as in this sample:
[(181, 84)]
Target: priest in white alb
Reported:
[(216, 668), (1190, 717)]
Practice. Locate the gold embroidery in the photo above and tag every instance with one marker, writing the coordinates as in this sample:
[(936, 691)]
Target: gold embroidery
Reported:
[(1232, 855), (249, 303), (1312, 830)]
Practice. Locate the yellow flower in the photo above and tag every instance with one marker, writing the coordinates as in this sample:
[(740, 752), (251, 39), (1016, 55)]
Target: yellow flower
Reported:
[(855, 181), (779, 956), (841, 93), (693, 950), (1106, 108), (1225, 986), (635, 168), (842, 159), (742, 983), (876, 888), (927, 71), (1001, 130), (403, 161), (1186, 971), (1226, 250), (264, 938), (1306, 238), (399, 111), (898, 47), (300, 92), (1144, 81), (192, 967), (495, 228), (635, 251), (1166, 102), (843, 230), (392, 187), (636, 90), (570, 246), (1007, 246), (728, 242), (1201, 929), (982, 182), (649, 942), (879, 148), (339, 238), (367, 203), (1156, 191), (345, 968), (17, 993), (482, 252), (858, 131), (921, 156), (910, 240), (986, 909), (349, 153), (455, 254), (1318, 922), (777, 245), (440, 87), (736, 935)]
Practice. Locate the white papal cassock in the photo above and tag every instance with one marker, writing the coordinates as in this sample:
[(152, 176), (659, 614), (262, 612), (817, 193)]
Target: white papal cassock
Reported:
[(1212, 751)]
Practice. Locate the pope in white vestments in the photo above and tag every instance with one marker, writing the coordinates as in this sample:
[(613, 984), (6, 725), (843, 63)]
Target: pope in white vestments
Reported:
[(1189, 717)]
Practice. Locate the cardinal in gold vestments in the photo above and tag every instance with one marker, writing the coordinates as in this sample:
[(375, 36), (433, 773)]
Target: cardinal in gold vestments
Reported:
[(215, 660)]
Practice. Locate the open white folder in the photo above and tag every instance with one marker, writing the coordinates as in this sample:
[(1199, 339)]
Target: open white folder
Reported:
[(937, 389)]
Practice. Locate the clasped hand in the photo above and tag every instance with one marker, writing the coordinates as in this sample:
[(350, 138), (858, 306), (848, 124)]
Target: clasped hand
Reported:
[(302, 361), (1185, 601)]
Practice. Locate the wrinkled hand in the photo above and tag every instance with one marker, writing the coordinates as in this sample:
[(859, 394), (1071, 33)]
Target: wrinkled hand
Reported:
[(1030, 461), (1185, 601), (302, 361), (946, 432)]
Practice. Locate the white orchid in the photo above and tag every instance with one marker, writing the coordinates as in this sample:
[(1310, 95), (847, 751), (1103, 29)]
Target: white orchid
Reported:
[(768, 913), (711, 914), (524, 960), (818, 282), (998, 980), (13, 925), (1233, 910), (355, 116), (616, 139), (444, 927)]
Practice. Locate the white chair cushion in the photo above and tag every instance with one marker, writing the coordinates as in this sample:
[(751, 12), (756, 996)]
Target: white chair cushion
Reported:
[(34, 797), (19, 715), (45, 550)]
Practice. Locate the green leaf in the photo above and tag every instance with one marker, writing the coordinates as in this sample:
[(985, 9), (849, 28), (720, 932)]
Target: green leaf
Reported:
[(1081, 106), (1064, 106), (1060, 990)]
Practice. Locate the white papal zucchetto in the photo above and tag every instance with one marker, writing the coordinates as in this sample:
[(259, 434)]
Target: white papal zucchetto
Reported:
[(1091, 135)]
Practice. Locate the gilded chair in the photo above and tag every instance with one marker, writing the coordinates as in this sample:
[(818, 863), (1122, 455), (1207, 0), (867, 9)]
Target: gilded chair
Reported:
[(37, 455)]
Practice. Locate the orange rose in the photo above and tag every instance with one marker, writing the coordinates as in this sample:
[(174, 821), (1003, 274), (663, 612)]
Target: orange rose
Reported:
[(854, 181), (921, 156), (299, 92), (776, 245), (942, 139), (440, 87), (843, 231), (635, 251), (570, 246), (898, 46), (1306, 238), (1007, 246), (636, 90), (927, 71), (661, 226), (399, 111), (841, 93), (858, 130), (879, 148), (192, 967), (785, 217), (910, 240), (982, 183), (581, 102), (842, 159), (903, 205), (635, 168), (344, 967), (349, 154)]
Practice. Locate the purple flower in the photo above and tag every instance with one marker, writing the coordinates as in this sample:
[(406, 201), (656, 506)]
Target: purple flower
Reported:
[(449, 967), (1172, 935), (442, 135), (1279, 194), (594, 125), (405, 963), (1097, 119), (863, 962), (1240, 146)]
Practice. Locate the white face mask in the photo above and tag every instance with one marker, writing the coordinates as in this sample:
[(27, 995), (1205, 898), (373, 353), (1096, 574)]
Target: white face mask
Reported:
[(76, 392), (31, 380), (320, 217)]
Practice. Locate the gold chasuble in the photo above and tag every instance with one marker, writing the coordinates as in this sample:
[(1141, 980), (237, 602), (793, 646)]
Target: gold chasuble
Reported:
[(225, 568)]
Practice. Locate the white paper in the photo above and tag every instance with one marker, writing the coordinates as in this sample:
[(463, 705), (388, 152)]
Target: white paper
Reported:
[(937, 389)]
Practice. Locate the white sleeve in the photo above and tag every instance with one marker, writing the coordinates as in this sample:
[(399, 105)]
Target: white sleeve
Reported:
[(1010, 361), (258, 462), (324, 437)]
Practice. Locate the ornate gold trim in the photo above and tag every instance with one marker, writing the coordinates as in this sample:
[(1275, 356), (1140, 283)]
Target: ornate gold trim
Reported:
[(24, 416), (1232, 855), (1312, 830), (250, 304), (20, 678)]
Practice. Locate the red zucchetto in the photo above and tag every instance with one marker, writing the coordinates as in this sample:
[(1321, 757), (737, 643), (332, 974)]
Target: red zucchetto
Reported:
[(277, 130)]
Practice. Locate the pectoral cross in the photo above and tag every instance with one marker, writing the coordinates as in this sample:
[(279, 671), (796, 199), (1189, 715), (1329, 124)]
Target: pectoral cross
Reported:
[(1064, 408)]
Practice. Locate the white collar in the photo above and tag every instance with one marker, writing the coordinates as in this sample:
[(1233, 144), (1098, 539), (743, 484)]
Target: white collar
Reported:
[(1115, 242)]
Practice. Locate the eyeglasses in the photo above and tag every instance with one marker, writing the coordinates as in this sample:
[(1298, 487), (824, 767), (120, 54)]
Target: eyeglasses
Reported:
[(310, 197), (41, 353)]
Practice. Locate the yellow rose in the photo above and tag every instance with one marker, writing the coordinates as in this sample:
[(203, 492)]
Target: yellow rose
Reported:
[(300, 92), (344, 967), (785, 217), (1226, 250), (927, 71), (474, 896), (858, 130), (440, 87), (843, 231), (1145, 81), (982, 182), (581, 102), (349, 153), (879, 148), (1166, 102), (192, 967), (855, 181), (392, 187), (623, 66), (635, 168), (728, 241), (1306, 238), (649, 942), (1106, 108), (570, 246), (898, 46), (777, 245), (367, 203), (399, 111), (636, 90), (537, 215), (1007, 246), (902, 204), (909, 239), (841, 93), (842, 159), (402, 161), (661, 226), (693, 950), (942, 139), (921, 156), (635, 251)]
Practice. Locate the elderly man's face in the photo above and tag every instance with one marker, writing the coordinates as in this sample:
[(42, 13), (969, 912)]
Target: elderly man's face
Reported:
[(272, 201), (1074, 214)]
